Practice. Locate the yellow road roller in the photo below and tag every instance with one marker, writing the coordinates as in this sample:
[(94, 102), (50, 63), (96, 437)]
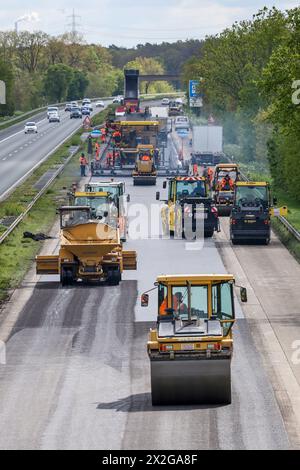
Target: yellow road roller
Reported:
[(190, 349)]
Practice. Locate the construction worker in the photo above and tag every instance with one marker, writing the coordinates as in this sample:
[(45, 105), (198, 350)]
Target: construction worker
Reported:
[(178, 305), (210, 175), (108, 158), (97, 151), (227, 183), (83, 164), (117, 136), (195, 170)]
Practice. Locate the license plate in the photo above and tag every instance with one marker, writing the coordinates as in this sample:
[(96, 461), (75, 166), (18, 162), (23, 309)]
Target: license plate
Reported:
[(249, 221), (187, 347)]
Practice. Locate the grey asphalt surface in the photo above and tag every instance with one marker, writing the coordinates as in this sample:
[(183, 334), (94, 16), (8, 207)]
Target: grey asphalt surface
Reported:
[(19, 153), (78, 376)]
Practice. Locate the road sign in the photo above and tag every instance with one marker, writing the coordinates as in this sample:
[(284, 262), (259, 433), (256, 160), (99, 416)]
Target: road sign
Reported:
[(193, 88), (2, 92), (87, 122), (196, 98)]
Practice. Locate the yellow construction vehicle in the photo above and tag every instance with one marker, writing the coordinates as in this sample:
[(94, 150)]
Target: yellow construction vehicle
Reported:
[(145, 172), (117, 196), (188, 199), (225, 177), (89, 250), (190, 349)]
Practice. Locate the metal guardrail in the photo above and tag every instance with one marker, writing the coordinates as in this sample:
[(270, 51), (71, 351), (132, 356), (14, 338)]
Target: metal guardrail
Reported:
[(36, 198)]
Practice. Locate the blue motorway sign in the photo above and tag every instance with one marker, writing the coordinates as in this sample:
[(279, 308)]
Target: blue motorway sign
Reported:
[(194, 84)]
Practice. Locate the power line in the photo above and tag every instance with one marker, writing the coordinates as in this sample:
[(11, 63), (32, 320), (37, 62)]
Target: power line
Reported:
[(74, 24)]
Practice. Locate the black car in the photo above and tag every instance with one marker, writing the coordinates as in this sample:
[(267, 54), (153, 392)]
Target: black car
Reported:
[(75, 113), (68, 107)]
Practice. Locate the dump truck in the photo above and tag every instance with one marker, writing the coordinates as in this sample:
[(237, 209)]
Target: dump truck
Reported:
[(89, 250), (225, 177), (117, 193), (145, 173), (191, 347), (253, 207), (189, 200), (207, 145)]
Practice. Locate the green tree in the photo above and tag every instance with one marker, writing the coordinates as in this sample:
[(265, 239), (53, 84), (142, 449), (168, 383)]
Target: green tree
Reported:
[(56, 83), (77, 85)]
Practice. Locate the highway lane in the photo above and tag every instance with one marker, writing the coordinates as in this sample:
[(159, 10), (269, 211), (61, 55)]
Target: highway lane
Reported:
[(20, 153), (78, 377)]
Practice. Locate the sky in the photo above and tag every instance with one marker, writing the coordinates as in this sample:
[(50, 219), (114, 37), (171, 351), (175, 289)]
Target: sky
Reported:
[(131, 22)]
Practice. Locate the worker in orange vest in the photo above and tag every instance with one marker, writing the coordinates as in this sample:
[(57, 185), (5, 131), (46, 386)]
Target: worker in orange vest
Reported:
[(83, 164), (210, 175), (227, 184), (97, 151), (178, 305), (195, 170)]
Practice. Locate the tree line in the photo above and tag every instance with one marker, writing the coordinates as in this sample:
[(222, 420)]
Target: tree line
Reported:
[(249, 75), (41, 69)]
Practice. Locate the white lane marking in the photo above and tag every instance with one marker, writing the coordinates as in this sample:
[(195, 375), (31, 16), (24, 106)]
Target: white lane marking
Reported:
[(20, 132), (4, 158)]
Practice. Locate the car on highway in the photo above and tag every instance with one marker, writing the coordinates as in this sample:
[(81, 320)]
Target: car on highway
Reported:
[(182, 122), (30, 128), (117, 99), (74, 104), (85, 110), (99, 104), (51, 109), (165, 102), (75, 113), (179, 101), (54, 117), (68, 107)]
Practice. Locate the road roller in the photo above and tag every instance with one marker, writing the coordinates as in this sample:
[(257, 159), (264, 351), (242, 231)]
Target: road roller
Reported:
[(190, 349)]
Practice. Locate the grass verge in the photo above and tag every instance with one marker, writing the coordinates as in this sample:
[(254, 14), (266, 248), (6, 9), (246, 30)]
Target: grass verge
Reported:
[(17, 253)]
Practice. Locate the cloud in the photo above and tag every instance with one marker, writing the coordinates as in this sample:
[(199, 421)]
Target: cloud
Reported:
[(134, 21)]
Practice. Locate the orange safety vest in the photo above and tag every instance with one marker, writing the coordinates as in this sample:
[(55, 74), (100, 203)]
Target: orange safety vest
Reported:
[(164, 305)]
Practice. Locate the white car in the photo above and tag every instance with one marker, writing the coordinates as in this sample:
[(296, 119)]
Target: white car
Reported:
[(179, 101), (30, 128), (182, 122), (117, 99), (51, 109), (99, 104), (165, 102), (54, 117)]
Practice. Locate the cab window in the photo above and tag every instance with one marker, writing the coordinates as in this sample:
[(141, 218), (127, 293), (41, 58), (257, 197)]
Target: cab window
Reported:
[(199, 304), (223, 304), (162, 299)]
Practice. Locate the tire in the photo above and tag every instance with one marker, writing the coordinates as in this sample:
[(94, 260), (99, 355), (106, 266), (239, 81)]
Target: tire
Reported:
[(266, 241), (66, 277), (114, 277), (234, 241)]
